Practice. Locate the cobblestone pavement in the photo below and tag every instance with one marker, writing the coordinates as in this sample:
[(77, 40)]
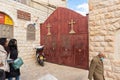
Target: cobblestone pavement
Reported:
[(35, 72)]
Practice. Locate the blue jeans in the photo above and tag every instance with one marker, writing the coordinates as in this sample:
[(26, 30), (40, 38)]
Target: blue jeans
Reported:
[(16, 78)]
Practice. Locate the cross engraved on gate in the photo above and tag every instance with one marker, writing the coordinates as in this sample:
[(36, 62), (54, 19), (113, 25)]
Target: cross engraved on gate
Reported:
[(72, 23), (48, 26)]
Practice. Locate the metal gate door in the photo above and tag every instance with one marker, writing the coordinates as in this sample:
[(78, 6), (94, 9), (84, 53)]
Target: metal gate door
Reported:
[(65, 36)]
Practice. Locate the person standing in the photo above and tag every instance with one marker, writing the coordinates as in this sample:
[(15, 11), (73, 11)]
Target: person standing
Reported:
[(13, 50), (96, 70), (4, 67)]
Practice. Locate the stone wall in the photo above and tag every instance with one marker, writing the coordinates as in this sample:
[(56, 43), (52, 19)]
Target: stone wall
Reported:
[(104, 25), (43, 5), (57, 3), (26, 48)]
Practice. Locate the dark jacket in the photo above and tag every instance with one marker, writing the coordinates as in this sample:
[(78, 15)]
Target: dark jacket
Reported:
[(13, 72)]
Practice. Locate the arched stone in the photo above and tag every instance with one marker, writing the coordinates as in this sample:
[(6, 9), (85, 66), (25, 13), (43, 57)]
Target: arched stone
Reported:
[(35, 25), (9, 14)]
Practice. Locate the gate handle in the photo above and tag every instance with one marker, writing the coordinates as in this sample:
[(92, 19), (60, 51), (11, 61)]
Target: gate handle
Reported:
[(79, 50), (53, 48), (66, 49)]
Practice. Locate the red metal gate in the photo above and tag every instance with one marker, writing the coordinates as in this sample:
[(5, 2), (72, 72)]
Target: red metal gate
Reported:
[(65, 36)]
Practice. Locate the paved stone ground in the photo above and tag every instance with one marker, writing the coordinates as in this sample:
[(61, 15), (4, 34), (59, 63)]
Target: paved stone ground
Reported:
[(59, 71)]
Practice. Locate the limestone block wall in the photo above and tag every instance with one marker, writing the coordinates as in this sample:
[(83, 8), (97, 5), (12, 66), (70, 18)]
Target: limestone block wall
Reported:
[(26, 48), (58, 3), (43, 5), (104, 29)]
